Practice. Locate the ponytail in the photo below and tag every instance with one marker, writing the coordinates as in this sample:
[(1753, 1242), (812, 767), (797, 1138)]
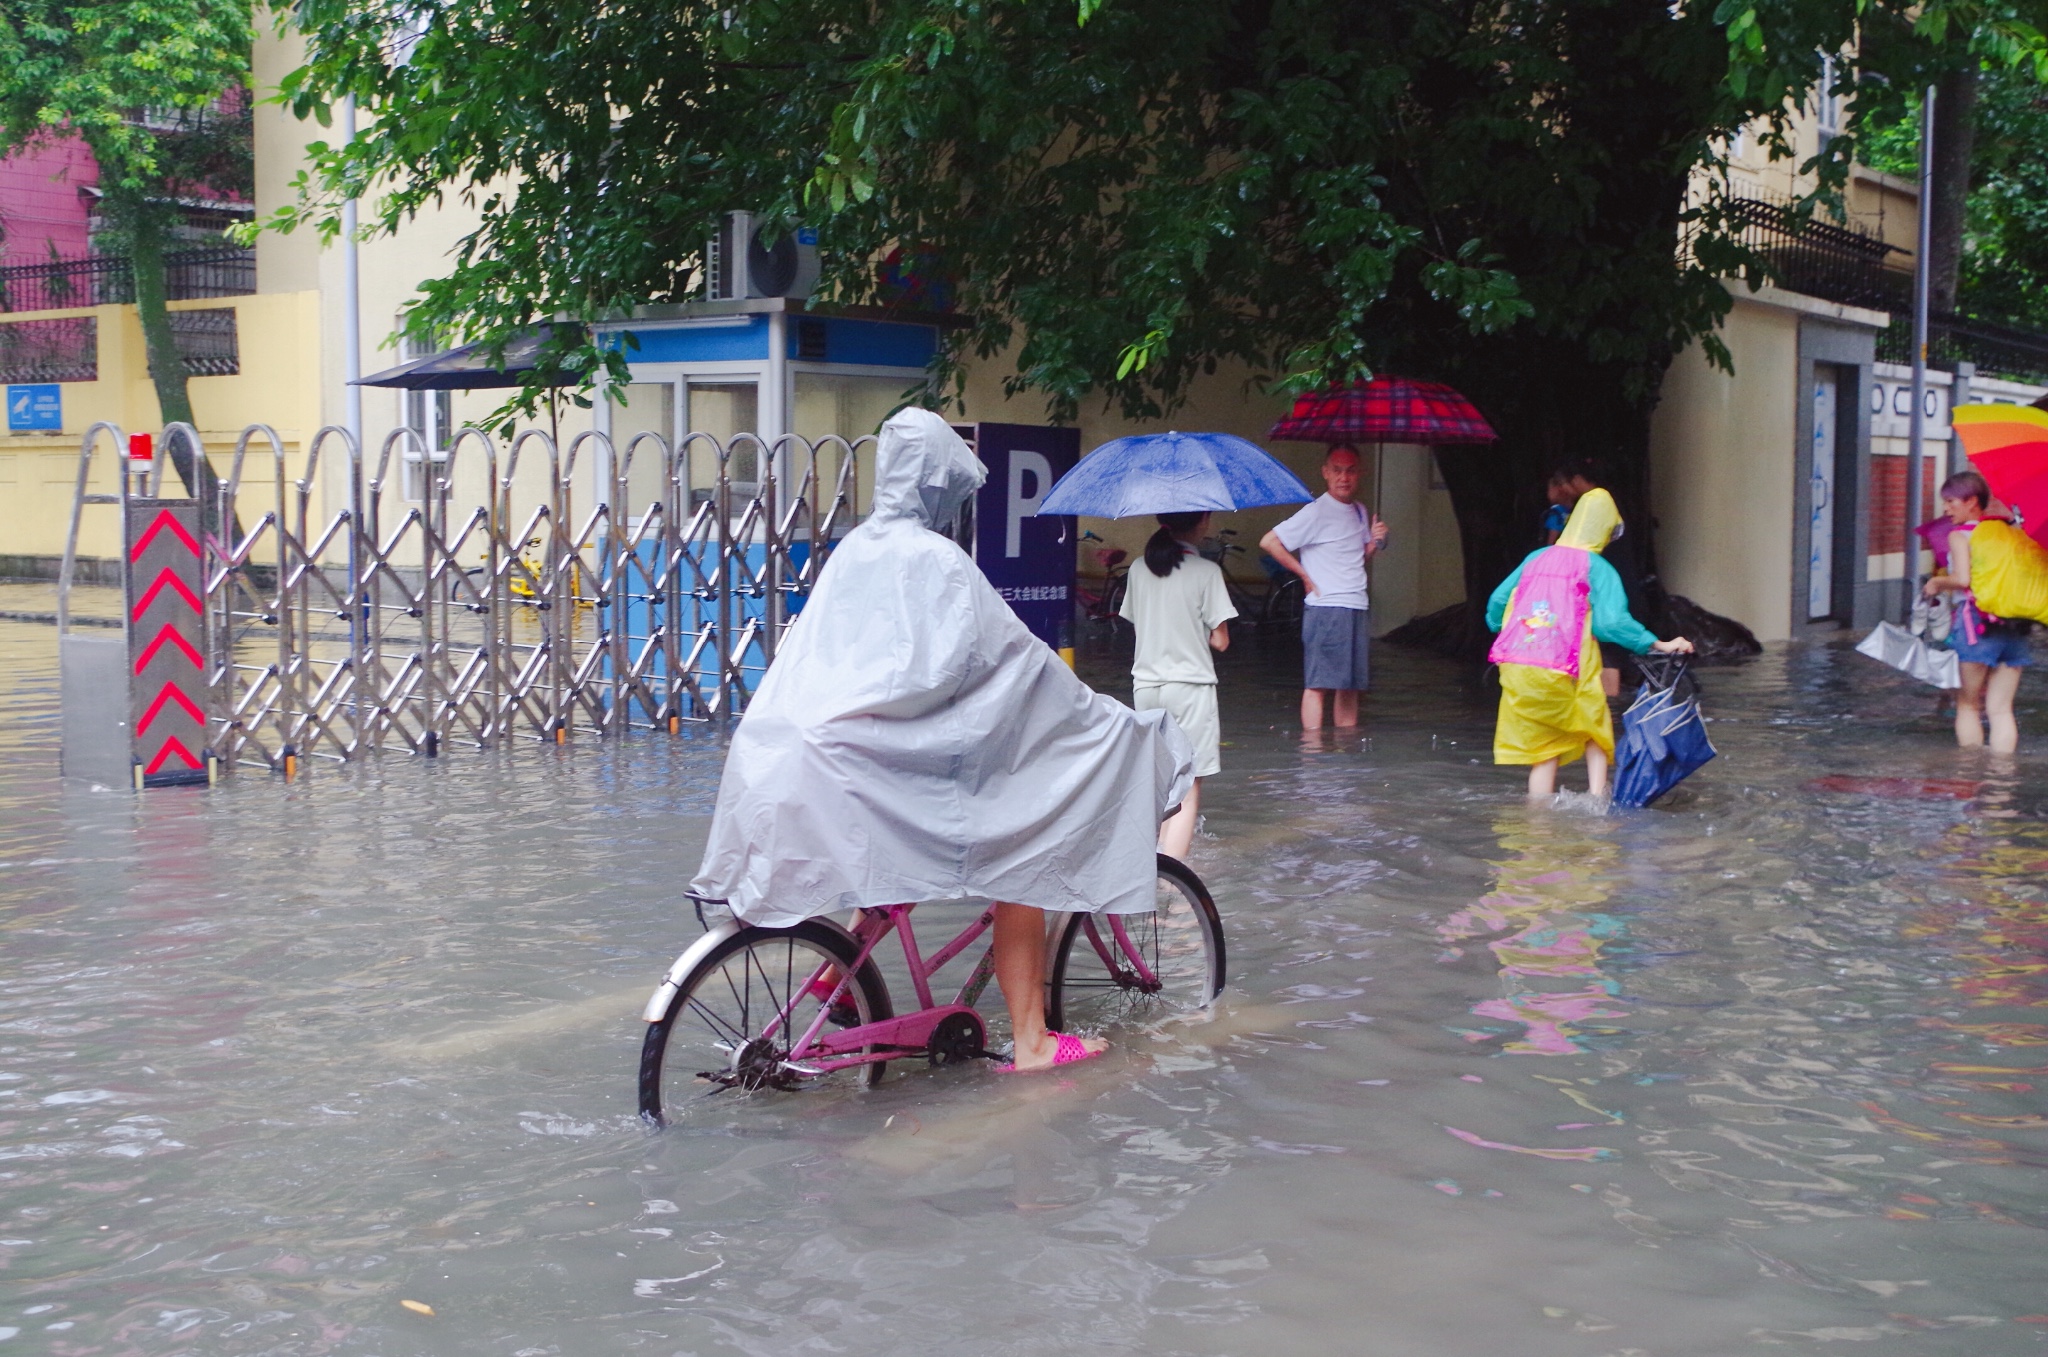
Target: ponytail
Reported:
[(1163, 550)]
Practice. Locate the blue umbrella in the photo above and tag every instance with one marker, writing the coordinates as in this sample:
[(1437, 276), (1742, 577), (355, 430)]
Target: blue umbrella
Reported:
[(1172, 473)]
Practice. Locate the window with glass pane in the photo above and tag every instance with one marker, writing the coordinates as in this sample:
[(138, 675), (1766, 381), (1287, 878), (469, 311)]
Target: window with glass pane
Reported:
[(725, 411), (643, 408), (853, 408)]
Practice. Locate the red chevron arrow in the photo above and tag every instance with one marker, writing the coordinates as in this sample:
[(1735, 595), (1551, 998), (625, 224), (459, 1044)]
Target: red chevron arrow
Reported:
[(165, 576), (167, 633), (164, 519), (165, 752), (170, 691)]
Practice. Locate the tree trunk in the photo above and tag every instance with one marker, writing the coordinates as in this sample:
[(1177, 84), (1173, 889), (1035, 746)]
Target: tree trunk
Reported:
[(145, 231), (1955, 138), (1555, 409)]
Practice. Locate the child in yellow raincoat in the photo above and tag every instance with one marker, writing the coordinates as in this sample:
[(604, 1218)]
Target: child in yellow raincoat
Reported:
[(1552, 613)]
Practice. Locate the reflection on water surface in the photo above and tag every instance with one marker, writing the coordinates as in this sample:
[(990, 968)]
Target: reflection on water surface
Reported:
[(1761, 1069)]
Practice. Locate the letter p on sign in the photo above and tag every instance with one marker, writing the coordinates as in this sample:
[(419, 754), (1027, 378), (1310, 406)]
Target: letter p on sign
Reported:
[(1023, 506)]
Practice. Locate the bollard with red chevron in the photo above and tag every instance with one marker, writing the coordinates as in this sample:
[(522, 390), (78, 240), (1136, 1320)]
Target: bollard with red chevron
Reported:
[(167, 642)]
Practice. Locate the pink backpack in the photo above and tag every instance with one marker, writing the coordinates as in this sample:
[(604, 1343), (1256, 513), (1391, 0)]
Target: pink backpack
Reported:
[(1546, 619)]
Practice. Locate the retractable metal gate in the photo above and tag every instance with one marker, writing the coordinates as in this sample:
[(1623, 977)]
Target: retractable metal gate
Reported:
[(465, 597)]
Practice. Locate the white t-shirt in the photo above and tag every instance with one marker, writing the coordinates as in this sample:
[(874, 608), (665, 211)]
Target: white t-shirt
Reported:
[(1173, 616), (1329, 539)]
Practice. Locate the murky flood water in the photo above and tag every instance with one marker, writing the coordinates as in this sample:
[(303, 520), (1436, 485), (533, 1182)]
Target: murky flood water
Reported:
[(1763, 1068)]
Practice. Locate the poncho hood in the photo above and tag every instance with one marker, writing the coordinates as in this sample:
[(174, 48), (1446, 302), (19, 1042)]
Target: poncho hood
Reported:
[(1592, 523), (923, 470)]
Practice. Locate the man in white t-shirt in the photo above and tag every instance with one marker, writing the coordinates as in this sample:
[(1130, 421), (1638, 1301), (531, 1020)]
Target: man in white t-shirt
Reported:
[(1328, 543)]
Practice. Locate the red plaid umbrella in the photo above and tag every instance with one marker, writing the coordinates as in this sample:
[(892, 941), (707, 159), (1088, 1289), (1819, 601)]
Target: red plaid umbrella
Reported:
[(1385, 410)]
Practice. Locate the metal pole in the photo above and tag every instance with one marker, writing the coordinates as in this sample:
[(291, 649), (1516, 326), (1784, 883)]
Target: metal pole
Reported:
[(1916, 422), (1958, 394), (351, 300)]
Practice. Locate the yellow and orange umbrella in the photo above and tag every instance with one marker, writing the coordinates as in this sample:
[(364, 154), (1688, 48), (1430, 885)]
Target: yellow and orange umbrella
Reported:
[(2008, 444)]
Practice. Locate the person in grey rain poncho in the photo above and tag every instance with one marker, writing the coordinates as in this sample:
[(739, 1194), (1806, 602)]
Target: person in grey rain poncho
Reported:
[(914, 742)]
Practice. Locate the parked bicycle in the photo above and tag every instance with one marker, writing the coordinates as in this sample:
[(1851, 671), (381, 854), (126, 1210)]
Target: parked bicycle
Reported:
[(1279, 599), (1104, 604), (751, 1008)]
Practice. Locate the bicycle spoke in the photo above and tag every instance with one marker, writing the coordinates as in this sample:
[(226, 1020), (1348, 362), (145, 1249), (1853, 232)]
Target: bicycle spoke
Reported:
[(719, 1025), (725, 973), (780, 1013), (1140, 967)]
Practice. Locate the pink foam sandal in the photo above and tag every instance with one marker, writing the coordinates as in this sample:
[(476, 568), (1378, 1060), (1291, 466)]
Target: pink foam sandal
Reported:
[(1067, 1050)]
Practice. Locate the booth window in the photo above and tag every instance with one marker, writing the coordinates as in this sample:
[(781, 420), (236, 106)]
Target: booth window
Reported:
[(729, 411), (642, 408), (852, 407)]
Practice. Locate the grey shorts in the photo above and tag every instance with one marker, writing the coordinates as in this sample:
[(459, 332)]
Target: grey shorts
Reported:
[(1336, 648)]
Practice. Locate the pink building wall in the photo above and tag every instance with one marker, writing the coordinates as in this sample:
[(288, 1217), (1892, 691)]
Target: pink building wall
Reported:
[(41, 202)]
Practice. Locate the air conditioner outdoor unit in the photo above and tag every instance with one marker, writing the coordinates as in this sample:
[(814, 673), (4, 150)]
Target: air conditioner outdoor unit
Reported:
[(739, 263)]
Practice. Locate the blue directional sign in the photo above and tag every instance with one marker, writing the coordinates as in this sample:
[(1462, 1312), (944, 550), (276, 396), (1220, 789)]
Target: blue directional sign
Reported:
[(35, 409)]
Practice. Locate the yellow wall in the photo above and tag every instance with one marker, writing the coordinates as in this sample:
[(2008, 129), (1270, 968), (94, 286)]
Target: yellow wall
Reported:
[(1722, 470), (279, 341), (283, 263)]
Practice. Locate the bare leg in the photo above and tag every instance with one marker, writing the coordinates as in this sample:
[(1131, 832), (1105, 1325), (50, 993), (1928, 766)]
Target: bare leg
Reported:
[(1543, 779), (1311, 708), (1970, 706), (2002, 685), (1020, 971), (1347, 708), (1596, 769), (1177, 835)]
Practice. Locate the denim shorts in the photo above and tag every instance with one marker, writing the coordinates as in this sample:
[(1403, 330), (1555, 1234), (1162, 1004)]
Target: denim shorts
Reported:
[(2005, 646)]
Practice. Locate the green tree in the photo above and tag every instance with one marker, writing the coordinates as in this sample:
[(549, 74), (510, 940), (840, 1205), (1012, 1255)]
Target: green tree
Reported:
[(158, 90), (1125, 198), (2000, 254)]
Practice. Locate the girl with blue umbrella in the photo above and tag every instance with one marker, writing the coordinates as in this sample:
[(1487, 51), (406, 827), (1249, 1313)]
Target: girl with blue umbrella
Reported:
[(1176, 600)]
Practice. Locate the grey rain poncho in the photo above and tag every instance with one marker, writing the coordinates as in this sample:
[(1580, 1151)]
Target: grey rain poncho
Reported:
[(914, 742)]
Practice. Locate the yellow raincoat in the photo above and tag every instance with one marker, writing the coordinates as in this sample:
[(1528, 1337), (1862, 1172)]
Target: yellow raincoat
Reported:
[(1547, 714)]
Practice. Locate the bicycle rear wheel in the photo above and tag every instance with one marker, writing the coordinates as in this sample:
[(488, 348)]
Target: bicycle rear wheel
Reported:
[(735, 1014), (1120, 968)]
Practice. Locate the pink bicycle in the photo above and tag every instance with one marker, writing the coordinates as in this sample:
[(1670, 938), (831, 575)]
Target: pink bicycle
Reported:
[(781, 1008)]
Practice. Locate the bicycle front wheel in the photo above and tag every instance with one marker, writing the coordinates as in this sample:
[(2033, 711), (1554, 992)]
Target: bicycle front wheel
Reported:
[(733, 1019), (1121, 968)]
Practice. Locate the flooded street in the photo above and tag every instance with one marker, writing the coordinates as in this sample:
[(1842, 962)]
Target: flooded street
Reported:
[(1763, 1069)]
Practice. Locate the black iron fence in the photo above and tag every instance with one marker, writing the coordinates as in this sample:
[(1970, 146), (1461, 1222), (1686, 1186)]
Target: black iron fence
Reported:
[(1997, 350), (207, 341), (66, 349), (102, 280), (1819, 259), (1838, 264)]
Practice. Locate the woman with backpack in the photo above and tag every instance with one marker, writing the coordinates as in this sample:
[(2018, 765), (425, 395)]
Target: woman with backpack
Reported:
[(1993, 650)]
